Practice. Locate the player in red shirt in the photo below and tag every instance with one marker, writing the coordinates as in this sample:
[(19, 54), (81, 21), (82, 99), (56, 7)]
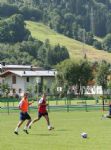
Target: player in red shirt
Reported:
[(42, 111), (23, 106)]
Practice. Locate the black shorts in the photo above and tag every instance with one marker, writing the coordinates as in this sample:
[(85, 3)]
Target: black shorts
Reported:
[(42, 114), (24, 116)]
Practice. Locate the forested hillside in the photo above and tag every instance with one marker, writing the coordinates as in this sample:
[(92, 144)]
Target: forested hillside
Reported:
[(17, 46), (77, 50), (82, 20)]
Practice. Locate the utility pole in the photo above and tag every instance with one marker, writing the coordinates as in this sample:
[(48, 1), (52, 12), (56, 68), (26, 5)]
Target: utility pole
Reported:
[(84, 41), (92, 25)]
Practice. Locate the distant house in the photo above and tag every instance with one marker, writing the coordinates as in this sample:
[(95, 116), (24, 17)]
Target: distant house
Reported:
[(20, 81)]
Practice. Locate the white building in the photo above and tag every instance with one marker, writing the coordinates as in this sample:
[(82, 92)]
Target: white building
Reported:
[(21, 81)]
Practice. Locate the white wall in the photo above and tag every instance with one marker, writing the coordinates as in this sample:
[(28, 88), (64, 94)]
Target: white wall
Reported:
[(89, 90), (94, 90), (31, 84), (21, 83)]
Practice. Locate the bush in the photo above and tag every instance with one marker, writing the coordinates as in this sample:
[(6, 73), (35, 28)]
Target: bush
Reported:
[(97, 44)]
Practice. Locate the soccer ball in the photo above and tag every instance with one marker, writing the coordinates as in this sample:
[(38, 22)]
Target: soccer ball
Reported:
[(84, 135)]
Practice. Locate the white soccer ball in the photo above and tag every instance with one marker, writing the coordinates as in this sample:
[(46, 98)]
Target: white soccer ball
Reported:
[(84, 135)]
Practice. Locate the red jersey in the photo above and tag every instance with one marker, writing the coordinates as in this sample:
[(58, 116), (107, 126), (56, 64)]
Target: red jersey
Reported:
[(42, 106)]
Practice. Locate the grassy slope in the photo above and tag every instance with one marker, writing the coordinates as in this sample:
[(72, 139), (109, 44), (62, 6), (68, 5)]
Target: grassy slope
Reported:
[(76, 48)]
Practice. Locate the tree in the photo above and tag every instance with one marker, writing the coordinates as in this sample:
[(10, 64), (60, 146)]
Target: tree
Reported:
[(52, 55), (30, 13), (59, 54), (108, 23), (17, 25), (97, 44), (13, 29), (77, 74), (102, 77), (54, 89), (5, 89), (7, 10), (106, 44), (69, 18)]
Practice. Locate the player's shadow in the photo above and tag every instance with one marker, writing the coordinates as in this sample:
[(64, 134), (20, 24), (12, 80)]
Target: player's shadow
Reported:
[(62, 130), (45, 134)]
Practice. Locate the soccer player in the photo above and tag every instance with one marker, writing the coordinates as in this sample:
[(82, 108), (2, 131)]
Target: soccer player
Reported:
[(23, 106), (42, 111), (109, 114)]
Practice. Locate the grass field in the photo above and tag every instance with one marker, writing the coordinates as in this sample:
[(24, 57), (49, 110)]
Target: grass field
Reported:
[(58, 102), (76, 48), (66, 136)]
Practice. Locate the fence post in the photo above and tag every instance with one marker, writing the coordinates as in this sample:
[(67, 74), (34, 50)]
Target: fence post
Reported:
[(56, 101), (8, 107), (65, 100), (86, 105), (103, 103), (48, 105), (67, 104)]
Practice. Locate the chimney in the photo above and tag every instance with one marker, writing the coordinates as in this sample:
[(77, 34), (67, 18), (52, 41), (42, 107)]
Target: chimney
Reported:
[(31, 68), (3, 63)]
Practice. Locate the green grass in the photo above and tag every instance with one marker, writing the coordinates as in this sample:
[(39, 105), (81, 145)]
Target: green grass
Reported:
[(59, 105), (58, 102), (76, 48), (66, 136)]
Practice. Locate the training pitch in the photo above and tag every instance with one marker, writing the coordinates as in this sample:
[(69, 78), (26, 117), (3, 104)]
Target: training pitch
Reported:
[(65, 136)]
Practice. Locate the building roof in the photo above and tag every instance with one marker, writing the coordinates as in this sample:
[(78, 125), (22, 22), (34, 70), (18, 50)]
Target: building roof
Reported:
[(15, 66), (19, 67), (29, 73), (0, 66)]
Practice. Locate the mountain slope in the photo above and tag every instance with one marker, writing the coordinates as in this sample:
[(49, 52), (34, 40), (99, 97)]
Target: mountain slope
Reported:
[(76, 49)]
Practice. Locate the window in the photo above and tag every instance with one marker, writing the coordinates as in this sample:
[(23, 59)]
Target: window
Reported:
[(14, 91), (48, 90), (14, 79), (20, 90), (27, 79)]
